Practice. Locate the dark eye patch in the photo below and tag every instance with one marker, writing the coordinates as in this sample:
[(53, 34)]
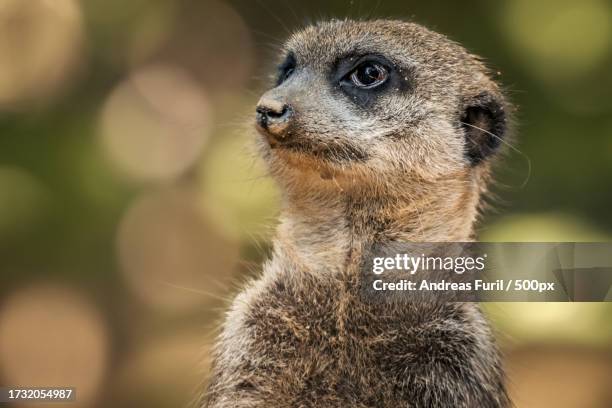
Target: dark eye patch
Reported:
[(344, 68), (286, 68)]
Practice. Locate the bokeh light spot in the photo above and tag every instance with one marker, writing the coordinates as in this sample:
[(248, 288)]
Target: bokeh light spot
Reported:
[(41, 44), (154, 125), (52, 336), (170, 255), (167, 369), (560, 40), (546, 227), (213, 43), (560, 375), (584, 323), (236, 189)]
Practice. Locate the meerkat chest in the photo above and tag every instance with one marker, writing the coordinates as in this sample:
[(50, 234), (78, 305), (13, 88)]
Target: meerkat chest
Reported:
[(305, 336)]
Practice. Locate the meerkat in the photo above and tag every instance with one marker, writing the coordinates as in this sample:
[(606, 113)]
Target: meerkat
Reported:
[(376, 132)]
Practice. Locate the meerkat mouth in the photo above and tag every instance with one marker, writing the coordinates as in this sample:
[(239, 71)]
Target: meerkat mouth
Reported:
[(330, 152), (307, 145)]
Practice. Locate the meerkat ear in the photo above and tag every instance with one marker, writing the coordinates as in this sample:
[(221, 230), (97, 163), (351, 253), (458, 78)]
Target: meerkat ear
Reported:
[(484, 124)]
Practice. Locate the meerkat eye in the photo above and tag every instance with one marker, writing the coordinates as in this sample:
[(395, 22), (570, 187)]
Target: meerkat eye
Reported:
[(288, 72), (369, 75), (284, 74), (286, 69)]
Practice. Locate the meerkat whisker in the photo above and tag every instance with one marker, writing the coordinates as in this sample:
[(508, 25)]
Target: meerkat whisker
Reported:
[(527, 159)]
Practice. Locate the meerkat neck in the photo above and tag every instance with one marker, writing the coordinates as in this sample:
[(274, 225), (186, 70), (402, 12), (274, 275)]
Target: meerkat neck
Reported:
[(321, 229)]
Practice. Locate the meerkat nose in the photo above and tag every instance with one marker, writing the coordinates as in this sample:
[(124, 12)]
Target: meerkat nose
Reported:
[(273, 116)]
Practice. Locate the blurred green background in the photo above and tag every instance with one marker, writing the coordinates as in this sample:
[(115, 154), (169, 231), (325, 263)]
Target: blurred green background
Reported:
[(132, 208)]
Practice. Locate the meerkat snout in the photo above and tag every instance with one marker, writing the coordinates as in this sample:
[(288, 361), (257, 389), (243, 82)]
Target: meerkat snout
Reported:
[(273, 118)]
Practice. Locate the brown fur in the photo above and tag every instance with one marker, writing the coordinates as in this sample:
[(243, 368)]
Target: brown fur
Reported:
[(397, 168)]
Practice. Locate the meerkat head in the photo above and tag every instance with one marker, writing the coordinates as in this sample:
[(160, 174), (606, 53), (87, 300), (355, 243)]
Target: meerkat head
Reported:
[(379, 102)]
